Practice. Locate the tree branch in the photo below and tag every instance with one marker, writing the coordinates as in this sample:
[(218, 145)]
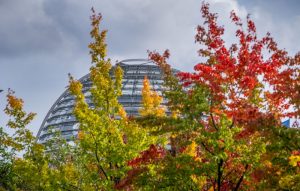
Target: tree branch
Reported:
[(206, 148), (220, 172), (232, 124), (213, 121), (98, 165), (241, 178), (100, 168)]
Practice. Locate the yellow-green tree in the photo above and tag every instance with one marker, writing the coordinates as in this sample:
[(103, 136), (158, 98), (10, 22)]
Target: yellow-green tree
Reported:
[(107, 139), (151, 101), (24, 163), (21, 172)]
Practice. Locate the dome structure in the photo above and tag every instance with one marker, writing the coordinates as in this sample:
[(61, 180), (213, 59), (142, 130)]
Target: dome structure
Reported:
[(61, 118)]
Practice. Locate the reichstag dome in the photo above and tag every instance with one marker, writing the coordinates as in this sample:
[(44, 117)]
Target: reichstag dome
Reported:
[(60, 115)]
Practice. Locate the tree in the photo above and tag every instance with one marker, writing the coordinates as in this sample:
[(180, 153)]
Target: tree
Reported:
[(107, 138), (151, 101), (20, 173), (230, 109), (26, 164), (224, 131)]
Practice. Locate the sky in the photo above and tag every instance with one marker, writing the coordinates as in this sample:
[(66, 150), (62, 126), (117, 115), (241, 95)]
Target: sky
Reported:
[(41, 41)]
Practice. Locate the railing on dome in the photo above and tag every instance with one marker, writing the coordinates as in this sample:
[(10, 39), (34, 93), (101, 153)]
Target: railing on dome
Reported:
[(145, 61)]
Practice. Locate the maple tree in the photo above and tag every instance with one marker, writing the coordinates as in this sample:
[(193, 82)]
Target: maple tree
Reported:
[(107, 138), (230, 112), (151, 101), (24, 163), (220, 130)]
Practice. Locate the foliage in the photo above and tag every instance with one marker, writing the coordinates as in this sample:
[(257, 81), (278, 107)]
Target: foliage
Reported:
[(151, 101), (230, 112), (26, 164), (221, 129), (107, 138)]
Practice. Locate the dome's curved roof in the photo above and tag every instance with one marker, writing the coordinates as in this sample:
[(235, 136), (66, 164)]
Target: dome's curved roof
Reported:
[(60, 114)]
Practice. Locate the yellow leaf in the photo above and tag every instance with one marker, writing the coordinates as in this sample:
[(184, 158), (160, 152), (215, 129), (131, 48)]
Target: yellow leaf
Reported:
[(294, 160), (191, 149)]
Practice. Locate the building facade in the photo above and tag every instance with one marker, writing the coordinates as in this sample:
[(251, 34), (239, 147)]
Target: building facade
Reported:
[(60, 115)]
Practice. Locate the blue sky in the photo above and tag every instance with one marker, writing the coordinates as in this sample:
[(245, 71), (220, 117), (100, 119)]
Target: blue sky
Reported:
[(41, 41)]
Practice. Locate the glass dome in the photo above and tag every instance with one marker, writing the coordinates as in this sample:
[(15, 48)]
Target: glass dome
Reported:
[(60, 115)]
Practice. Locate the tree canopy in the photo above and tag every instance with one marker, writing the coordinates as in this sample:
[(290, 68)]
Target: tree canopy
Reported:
[(220, 128)]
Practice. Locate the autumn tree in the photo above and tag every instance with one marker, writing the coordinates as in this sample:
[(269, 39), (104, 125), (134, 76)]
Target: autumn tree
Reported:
[(151, 101), (26, 164), (21, 140), (223, 132), (230, 108), (107, 139)]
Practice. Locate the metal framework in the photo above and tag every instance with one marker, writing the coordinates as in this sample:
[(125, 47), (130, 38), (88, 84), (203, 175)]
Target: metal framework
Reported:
[(60, 115)]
